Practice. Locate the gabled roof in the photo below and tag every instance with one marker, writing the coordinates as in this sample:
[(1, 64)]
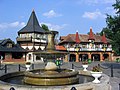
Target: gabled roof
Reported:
[(15, 48), (4, 41), (69, 38), (60, 47), (83, 38), (32, 25)]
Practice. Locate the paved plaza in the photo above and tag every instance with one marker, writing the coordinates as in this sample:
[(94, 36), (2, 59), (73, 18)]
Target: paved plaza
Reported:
[(113, 72)]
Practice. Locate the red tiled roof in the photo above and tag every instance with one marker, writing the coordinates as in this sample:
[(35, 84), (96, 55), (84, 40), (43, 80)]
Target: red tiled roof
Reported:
[(82, 37), (77, 39), (68, 38), (104, 40), (91, 35), (60, 47)]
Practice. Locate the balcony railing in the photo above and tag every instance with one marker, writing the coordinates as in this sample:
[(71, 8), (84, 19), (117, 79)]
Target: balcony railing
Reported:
[(89, 49), (23, 39), (43, 40)]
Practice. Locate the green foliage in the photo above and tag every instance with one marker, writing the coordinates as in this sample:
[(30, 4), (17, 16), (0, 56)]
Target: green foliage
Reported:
[(58, 62), (45, 27), (117, 60), (117, 6), (112, 30), (96, 69), (89, 61)]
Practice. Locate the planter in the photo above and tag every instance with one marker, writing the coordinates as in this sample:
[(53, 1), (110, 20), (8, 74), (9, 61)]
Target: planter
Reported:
[(96, 75), (28, 67), (85, 67)]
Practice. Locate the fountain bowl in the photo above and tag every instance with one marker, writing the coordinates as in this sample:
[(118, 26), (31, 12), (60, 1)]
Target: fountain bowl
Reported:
[(51, 77)]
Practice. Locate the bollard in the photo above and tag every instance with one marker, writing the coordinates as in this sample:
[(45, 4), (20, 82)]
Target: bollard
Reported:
[(32, 66), (72, 66), (111, 70), (5, 68), (19, 67), (73, 88)]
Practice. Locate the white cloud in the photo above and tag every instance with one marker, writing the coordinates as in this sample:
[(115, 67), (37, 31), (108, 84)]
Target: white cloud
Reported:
[(93, 2), (93, 15), (51, 14), (54, 26), (108, 1), (11, 25)]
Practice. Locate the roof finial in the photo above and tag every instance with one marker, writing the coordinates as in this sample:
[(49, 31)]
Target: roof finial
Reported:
[(33, 10), (91, 35), (90, 27)]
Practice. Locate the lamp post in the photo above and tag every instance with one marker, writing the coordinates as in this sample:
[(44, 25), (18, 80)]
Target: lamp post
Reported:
[(68, 49)]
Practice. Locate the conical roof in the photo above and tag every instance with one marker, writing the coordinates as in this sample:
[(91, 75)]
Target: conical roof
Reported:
[(91, 35), (32, 25), (77, 39)]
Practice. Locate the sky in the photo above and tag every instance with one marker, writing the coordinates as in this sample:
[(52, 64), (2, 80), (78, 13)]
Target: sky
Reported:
[(64, 16)]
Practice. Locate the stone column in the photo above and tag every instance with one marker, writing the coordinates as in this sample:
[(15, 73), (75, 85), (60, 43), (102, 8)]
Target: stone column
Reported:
[(89, 56), (66, 58), (77, 57), (110, 56)]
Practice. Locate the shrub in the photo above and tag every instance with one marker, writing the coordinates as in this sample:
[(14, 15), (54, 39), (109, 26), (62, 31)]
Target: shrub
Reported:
[(96, 69)]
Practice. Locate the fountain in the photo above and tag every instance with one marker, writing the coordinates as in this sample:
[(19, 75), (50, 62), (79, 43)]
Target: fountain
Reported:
[(51, 77)]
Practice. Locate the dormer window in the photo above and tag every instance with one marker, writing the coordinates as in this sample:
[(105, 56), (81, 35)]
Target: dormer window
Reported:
[(9, 45)]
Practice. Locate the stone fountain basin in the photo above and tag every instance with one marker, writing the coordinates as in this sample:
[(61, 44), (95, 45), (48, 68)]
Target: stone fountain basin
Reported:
[(104, 85), (51, 77)]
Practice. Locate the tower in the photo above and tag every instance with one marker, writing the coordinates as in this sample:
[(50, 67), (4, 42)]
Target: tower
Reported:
[(32, 37)]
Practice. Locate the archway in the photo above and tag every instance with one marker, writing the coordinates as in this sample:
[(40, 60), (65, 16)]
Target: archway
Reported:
[(95, 57), (83, 57), (72, 58), (105, 56)]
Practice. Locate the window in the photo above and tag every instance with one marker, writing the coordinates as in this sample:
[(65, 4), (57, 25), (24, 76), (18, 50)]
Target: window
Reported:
[(38, 57), (29, 56), (9, 45)]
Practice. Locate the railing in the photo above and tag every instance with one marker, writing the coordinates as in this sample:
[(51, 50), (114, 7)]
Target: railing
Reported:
[(90, 49), (24, 39)]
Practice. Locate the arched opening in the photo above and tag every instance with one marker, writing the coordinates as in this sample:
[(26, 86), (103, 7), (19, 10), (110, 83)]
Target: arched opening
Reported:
[(29, 56), (83, 57), (72, 58), (38, 57), (105, 56), (95, 57)]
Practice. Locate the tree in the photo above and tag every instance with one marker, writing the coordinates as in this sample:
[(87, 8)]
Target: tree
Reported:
[(112, 30), (45, 27)]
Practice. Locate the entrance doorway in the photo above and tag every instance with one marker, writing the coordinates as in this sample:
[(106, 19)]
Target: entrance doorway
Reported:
[(72, 58), (95, 57), (83, 57)]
